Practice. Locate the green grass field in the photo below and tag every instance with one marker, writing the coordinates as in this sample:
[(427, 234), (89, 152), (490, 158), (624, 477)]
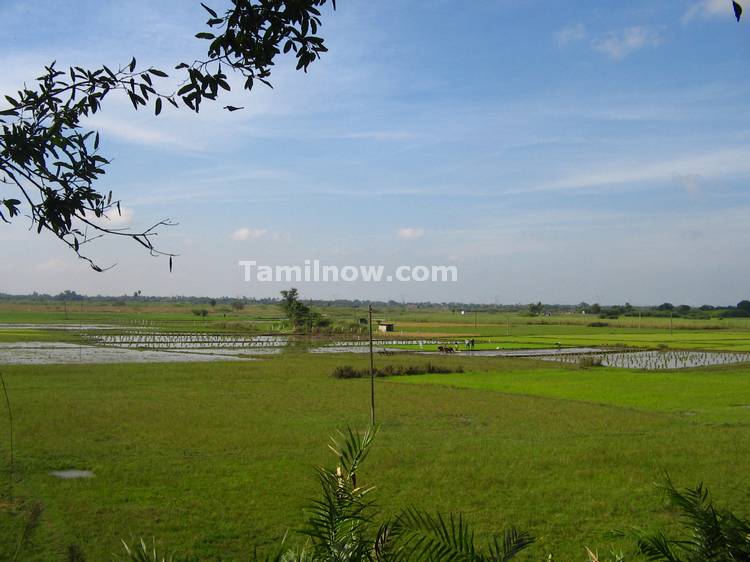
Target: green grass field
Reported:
[(214, 459)]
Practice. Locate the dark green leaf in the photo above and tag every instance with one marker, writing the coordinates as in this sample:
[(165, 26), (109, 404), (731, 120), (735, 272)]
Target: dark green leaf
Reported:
[(209, 10)]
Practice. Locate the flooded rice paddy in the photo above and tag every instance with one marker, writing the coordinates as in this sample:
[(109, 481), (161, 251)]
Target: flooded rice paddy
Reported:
[(47, 353), (145, 346), (655, 360), (234, 343)]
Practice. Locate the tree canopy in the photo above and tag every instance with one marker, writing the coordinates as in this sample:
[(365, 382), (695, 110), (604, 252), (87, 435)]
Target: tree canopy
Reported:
[(51, 166)]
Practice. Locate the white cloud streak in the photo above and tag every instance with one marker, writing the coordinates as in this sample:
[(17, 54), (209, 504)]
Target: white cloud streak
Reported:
[(618, 45), (244, 233), (709, 9), (721, 163), (410, 233), (570, 34)]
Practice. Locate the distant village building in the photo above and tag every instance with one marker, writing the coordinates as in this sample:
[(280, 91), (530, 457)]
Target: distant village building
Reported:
[(386, 326)]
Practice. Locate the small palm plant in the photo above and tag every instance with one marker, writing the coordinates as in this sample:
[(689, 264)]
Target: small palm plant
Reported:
[(341, 525), (712, 534)]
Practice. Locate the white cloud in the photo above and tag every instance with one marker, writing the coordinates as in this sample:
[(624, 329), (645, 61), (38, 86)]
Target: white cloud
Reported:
[(410, 233), (721, 163), (132, 131), (116, 220), (570, 34), (54, 265), (382, 136), (245, 233), (691, 182), (618, 45), (708, 9)]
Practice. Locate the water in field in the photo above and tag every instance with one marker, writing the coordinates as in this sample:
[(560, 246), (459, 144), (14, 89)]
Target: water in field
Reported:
[(49, 353), (226, 344), (363, 346), (655, 360)]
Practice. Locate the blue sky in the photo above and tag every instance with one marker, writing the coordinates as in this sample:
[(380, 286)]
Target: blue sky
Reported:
[(554, 151)]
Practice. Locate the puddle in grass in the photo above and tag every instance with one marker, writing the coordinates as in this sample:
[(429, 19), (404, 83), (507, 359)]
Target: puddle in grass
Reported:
[(72, 474)]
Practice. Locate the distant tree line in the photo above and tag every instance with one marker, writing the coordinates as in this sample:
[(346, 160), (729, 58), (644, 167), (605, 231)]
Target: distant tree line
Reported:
[(667, 309), (297, 312)]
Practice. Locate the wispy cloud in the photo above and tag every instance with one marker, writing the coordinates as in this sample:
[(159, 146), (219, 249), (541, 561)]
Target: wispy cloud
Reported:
[(709, 9), (116, 220), (138, 133), (410, 233), (570, 34), (54, 265), (618, 45), (691, 182), (719, 163), (381, 136), (244, 233)]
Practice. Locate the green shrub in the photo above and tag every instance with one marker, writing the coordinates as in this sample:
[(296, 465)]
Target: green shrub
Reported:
[(589, 361), (349, 372), (346, 372)]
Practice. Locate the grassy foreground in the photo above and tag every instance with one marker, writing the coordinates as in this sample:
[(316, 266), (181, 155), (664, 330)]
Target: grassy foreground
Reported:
[(213, 459)]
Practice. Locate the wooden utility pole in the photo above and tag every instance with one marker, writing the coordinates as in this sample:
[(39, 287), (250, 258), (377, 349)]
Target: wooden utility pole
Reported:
[(10, 431), (372, 372)]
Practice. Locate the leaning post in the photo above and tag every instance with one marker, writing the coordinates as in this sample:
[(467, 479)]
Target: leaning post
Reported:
[(372, 372)]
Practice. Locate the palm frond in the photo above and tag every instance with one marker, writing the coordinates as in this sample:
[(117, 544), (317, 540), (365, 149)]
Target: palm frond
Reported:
[(422, 536), (657, 547), (711, 534), (435, 537), (513, 543), (351, 448)]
